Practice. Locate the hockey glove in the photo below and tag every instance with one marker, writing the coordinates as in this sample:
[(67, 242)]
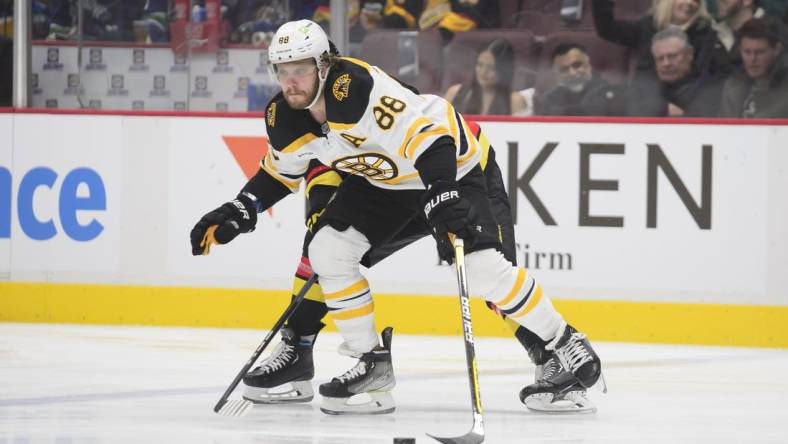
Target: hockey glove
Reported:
[(223, 224), (448, 212)]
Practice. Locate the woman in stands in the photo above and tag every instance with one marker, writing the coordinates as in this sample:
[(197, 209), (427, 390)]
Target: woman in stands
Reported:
[(691, 16), (490, 88)]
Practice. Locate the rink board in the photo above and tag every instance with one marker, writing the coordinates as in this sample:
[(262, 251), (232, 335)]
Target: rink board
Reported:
[(641, 232)]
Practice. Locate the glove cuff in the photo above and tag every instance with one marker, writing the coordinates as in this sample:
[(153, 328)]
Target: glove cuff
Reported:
[(245, 211)]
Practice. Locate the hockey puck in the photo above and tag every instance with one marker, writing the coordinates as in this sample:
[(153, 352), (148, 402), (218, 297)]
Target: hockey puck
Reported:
[(404, 440)]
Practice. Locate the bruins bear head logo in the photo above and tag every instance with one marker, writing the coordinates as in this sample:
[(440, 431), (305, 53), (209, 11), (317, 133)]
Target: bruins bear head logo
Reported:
[(341, 87)]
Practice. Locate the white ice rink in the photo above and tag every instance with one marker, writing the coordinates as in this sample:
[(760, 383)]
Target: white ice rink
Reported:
[(67, 384)]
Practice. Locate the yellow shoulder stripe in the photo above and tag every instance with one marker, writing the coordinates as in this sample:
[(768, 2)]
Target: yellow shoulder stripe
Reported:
[(298, 143), (336, 126), (358, 62)]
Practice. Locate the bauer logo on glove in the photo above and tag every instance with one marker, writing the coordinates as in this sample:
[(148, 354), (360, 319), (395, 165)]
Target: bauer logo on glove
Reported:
[(437, 200)]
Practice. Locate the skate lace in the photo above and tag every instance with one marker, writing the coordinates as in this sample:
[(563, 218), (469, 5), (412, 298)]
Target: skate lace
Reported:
[(359, 369), (279, 358), (574, 354)]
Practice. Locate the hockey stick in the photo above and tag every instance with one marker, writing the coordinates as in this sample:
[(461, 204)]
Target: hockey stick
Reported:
[(240, 407), (476, 435)]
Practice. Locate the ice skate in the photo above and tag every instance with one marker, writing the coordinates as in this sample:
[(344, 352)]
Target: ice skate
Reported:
[(562, 380), (285, 376), (365, 388), (556, 391)]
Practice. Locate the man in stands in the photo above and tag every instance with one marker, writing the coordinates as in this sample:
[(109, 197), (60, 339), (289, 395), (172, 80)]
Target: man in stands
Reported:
[(681, 91), (760, 87), (580, 91)]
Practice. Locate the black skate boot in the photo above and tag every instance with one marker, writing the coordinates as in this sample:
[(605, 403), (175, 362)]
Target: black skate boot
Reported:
[(285, 375), (562, 380), (372, 376)]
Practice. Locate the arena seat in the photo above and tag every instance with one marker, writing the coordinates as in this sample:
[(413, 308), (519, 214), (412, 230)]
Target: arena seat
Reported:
[(411, 56), (509, 10)]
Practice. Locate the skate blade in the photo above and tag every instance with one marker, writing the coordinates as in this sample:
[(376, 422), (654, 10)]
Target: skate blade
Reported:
[(236, 408), (571, 402), (370, 403), (293, 392)]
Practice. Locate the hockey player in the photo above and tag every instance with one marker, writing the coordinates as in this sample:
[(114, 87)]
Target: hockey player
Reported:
[(357, 119)]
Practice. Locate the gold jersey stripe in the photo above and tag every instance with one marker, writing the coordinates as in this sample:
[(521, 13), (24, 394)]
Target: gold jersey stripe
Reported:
[(328, 178), (518, 284), (358, 62), (345, 315), (336, 126), (417, 141), (348, 291), (485, 143), (535, 298), (451, 116), (271, 170), (416, 126), (298, 143), (472, 145)]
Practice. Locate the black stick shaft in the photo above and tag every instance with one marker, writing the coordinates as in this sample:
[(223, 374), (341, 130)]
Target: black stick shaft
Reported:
[(260, 348), (467, 328)]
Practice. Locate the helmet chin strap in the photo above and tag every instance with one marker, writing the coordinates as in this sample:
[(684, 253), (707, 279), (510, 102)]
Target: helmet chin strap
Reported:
[(321, 79)]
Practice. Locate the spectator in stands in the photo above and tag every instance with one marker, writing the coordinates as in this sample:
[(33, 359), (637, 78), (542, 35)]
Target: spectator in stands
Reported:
[(681, 91), (448, 16), (732, 15), (103, 19), (580, 91), (760, 88), (155, 18), (690, 16), (363, 15), (490, 88), (250, 17), (771, 8)]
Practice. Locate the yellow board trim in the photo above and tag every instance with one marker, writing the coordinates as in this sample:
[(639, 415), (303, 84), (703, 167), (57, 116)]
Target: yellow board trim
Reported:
[(650, 322)]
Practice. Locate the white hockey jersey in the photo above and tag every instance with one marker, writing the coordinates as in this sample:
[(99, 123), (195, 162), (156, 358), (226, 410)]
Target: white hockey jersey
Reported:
[(377, 127)]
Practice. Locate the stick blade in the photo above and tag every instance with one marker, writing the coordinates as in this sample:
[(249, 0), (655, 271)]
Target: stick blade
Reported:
[(235, 408), (468, 438)]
